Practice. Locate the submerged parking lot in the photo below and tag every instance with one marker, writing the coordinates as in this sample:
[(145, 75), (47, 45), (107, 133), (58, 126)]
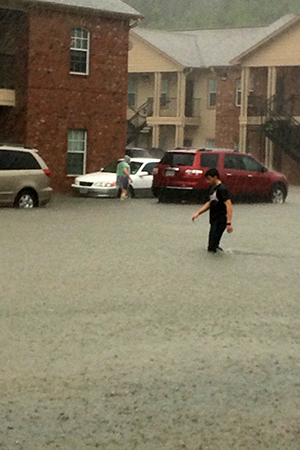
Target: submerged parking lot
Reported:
[(119, 331)]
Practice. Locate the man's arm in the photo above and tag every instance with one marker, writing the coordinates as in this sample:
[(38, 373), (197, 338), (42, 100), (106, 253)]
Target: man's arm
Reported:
[(229, 216), (126, 171), (202, 210)]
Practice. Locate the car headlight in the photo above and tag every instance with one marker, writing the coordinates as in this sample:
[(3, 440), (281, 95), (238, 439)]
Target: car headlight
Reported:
[(76, 181), (104, 184)]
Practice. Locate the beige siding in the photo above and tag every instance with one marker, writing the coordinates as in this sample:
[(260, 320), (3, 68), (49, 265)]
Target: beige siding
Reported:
[(144, 88), (281, 51), (207, 122), (145, 58)]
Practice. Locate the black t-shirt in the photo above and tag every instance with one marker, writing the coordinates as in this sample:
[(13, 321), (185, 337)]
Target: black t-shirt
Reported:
[(217, 196)]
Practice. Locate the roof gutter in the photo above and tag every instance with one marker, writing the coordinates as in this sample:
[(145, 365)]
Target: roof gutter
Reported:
[(135, 22)]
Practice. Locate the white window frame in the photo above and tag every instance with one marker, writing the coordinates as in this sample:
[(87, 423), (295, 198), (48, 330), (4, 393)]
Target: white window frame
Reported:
[(131, 91), (83, 151), (238, 90), (76, 42), (212, 89)]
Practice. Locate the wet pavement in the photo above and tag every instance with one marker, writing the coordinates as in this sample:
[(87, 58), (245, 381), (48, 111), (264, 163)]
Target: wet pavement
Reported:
[(120, 331)]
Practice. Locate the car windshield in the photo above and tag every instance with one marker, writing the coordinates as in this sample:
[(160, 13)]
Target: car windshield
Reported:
[(112, 167)]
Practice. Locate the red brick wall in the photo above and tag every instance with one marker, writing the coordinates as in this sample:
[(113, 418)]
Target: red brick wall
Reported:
[(13, 120), (227, 113), (57, 101), (227, 117)]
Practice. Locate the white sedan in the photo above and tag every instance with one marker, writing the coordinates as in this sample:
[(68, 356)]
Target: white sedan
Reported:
[(103, 183)]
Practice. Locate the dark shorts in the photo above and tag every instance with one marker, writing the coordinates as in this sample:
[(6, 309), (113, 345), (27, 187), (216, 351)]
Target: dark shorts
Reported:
[(122, 182)]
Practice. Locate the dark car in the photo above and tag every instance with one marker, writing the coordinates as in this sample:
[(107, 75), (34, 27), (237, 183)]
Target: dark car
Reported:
[(181, 172)]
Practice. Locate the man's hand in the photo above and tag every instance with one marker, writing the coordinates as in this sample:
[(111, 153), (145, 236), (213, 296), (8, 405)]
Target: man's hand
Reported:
[(229, 228), (202, 210)]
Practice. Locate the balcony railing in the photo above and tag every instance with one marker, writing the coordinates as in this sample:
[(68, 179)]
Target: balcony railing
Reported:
[(7, 71), (168, 107), (259, 105), (256, 105)]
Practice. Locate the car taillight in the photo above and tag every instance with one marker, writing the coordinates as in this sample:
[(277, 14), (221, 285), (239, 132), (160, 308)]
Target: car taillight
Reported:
[(47, 172), (193, 172), (155, 171)]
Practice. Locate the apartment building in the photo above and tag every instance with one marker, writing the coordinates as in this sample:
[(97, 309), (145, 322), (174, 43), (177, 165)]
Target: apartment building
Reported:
[(236, 88), (63, 81)]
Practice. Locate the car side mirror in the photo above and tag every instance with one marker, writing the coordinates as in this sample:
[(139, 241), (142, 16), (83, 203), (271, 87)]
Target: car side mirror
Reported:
[(144, 174), (264, 169)]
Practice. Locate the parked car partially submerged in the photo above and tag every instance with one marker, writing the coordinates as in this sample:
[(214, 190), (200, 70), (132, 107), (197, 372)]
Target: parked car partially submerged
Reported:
[(24, 177), (181, 173), (103, 183)]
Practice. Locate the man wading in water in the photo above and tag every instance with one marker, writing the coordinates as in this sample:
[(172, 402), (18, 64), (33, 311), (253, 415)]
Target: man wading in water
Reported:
[(123, 176), (220, 208)]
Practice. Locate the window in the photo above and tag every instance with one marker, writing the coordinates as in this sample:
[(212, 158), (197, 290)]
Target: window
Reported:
[(77, 140), (134, 167), (131, 93), (251, 165), (251, 98), (111, 167), (209, 160), (14, 160), (234, 162), (149, 168), (80, 43), (178, 159), (212, 96), (238, 92)]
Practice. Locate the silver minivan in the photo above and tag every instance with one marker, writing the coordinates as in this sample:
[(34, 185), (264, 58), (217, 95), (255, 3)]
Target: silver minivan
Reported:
[(24, 177)]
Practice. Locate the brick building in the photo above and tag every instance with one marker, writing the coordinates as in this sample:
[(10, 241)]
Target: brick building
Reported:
[(63, 81)]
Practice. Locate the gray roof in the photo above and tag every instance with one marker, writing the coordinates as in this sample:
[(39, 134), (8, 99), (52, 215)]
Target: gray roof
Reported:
[(179, 46), (107, 6), (207, 48)]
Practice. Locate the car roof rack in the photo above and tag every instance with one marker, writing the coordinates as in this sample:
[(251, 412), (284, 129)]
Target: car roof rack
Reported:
[(11, 144), (216, 149), (204, 149)]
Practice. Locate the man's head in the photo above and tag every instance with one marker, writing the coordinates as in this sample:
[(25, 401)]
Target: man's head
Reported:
[(212, 176), (127, 159)]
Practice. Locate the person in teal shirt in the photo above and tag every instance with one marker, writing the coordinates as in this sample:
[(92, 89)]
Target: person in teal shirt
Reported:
[(123, 176)]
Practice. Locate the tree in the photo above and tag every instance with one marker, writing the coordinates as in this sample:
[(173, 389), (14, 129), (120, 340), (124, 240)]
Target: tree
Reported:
[(189, 14)]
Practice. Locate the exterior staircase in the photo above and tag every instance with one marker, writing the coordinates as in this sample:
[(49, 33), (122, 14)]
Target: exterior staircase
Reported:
[(282, 128), (138, 121)]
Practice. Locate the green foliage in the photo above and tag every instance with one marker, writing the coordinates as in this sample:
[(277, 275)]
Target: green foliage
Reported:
[(193, 14)]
